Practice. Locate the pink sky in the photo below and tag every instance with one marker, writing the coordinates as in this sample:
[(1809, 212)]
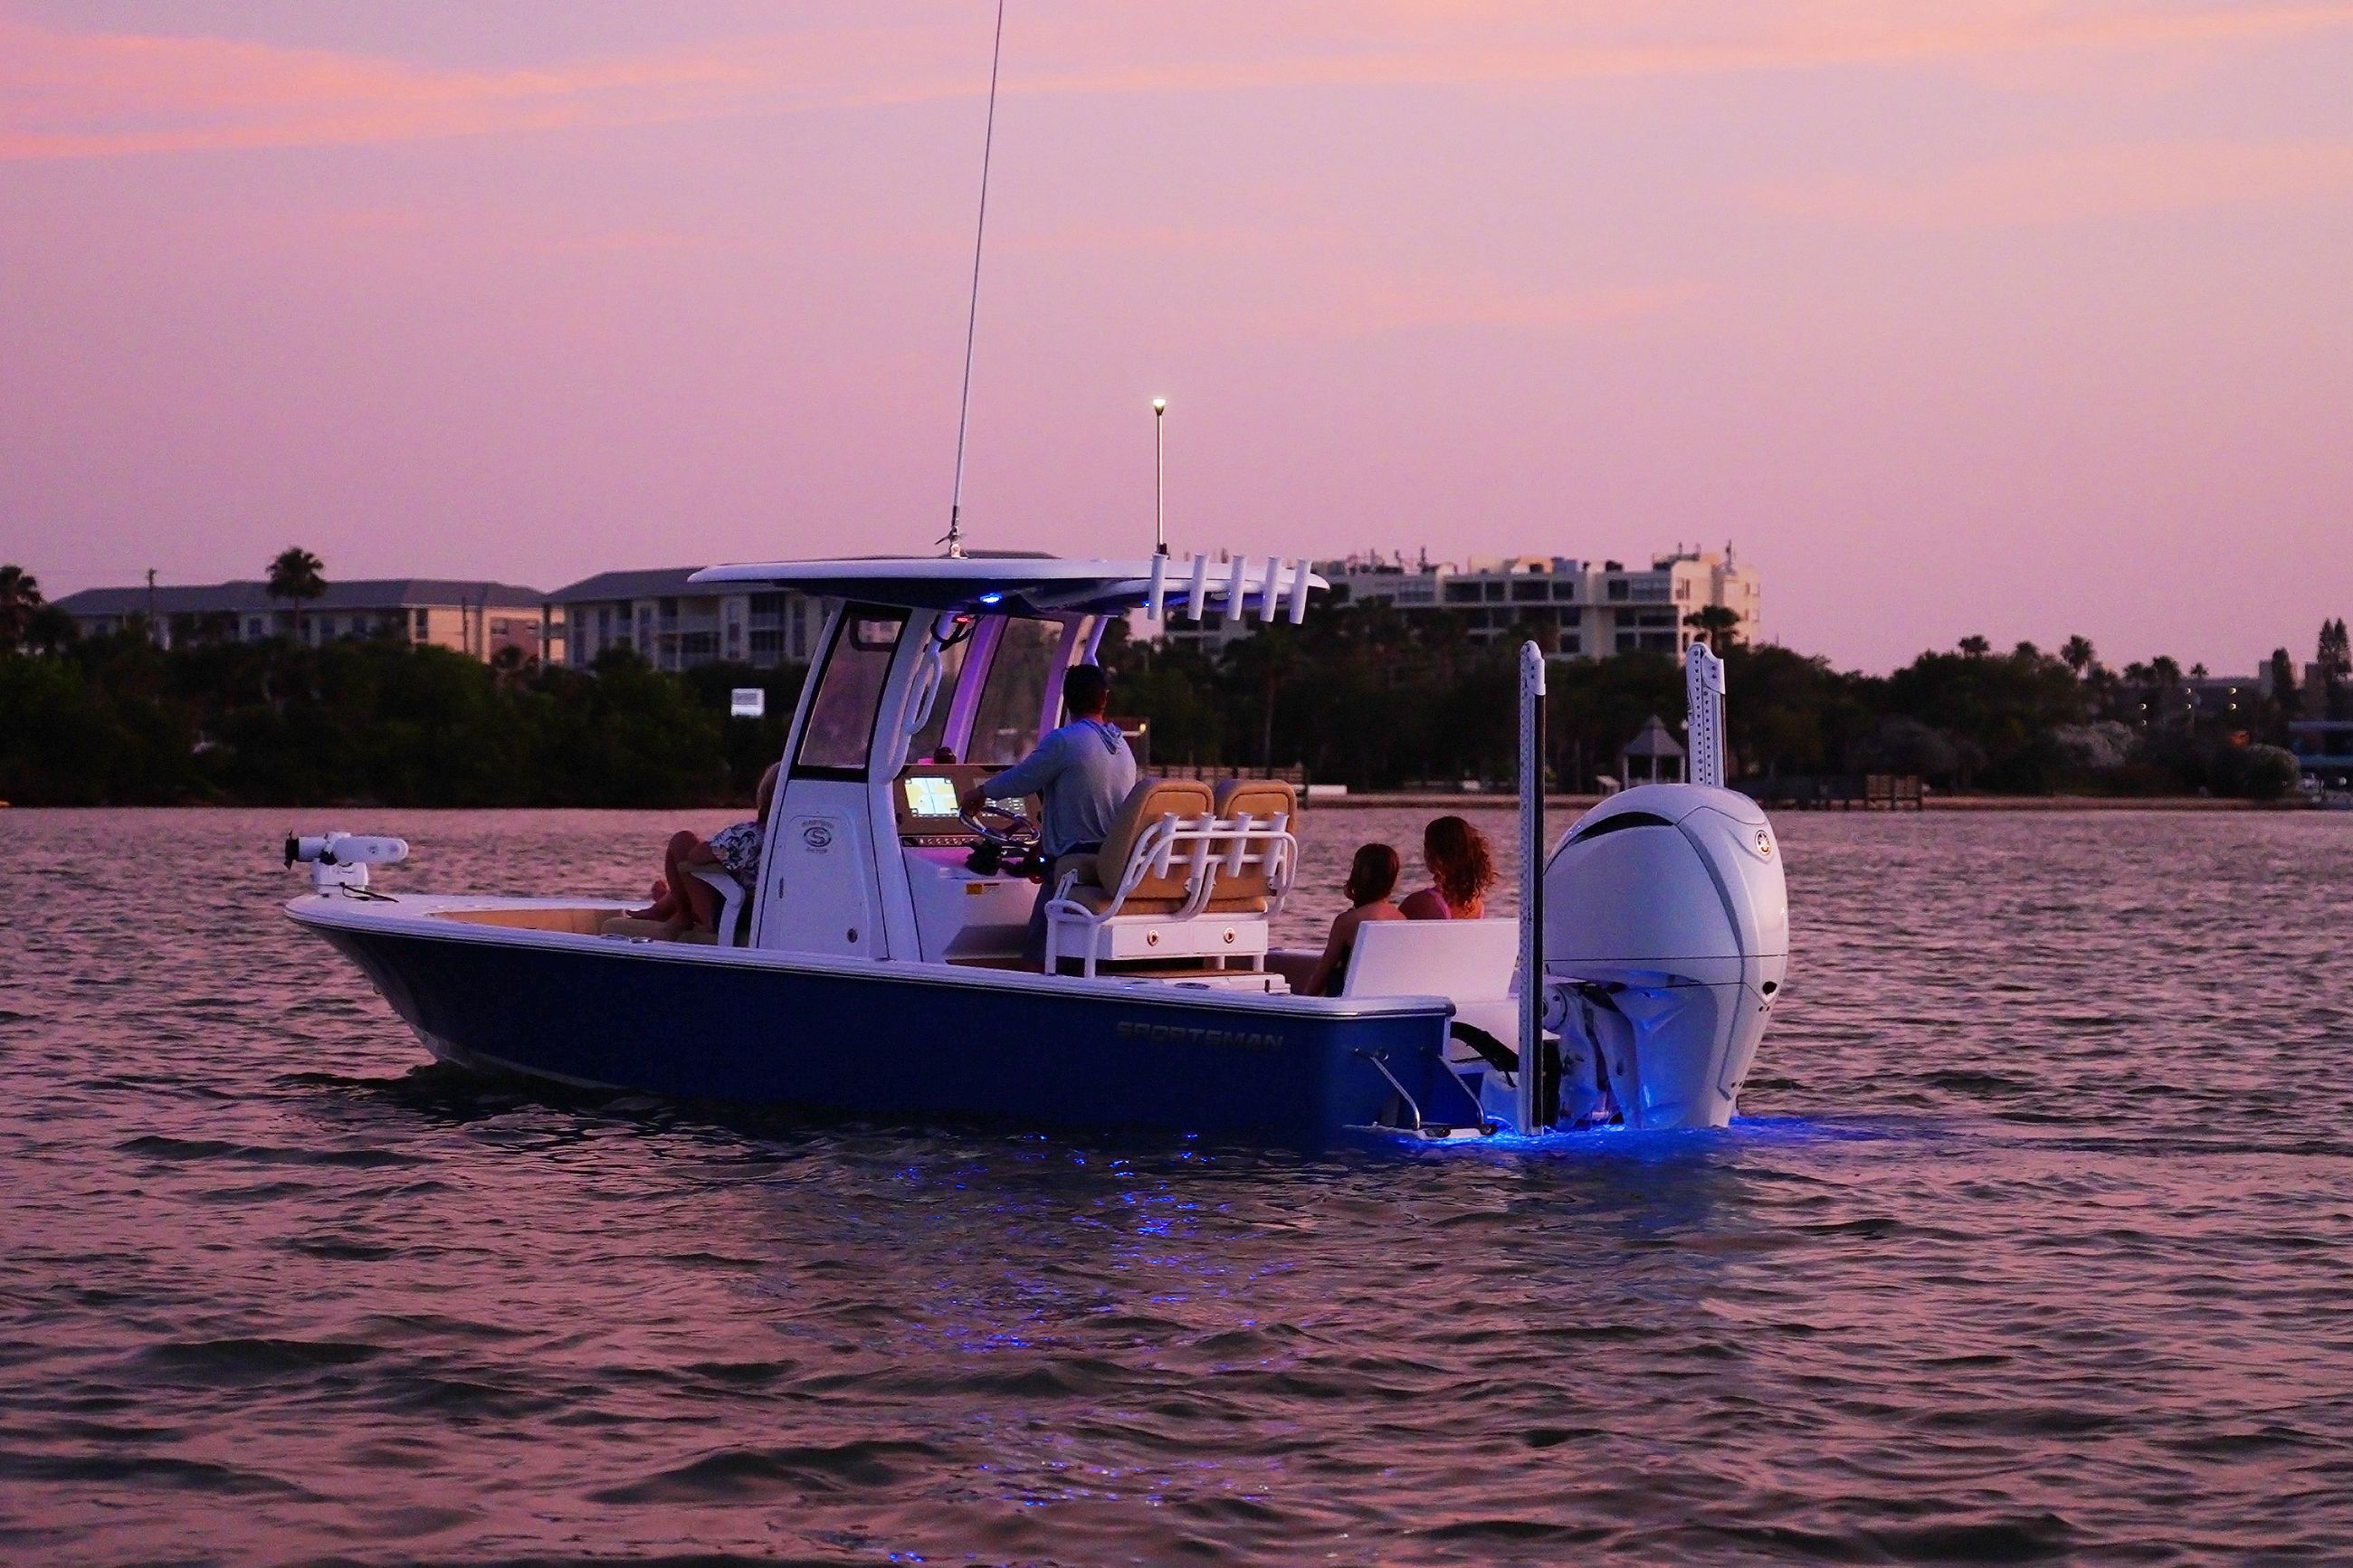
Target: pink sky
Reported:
[(2020, 317)]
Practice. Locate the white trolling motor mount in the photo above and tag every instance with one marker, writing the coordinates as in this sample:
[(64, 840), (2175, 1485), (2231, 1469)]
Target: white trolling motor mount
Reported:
[(341, 859)]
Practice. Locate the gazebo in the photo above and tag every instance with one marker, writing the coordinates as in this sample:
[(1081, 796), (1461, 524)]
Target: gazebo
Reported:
[(1660, 755)]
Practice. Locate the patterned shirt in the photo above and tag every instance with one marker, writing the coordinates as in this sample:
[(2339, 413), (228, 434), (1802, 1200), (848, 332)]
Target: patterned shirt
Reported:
[(738, 849)]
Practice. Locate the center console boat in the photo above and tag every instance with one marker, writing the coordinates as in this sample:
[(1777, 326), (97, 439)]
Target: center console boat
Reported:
[(875, 967)]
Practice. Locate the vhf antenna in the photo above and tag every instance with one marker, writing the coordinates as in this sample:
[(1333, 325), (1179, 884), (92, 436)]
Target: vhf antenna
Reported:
[(1159, 476), (955, 539)]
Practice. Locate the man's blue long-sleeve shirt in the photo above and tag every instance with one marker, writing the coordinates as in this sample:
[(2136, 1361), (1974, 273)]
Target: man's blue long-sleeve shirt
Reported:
[(1084, 771)]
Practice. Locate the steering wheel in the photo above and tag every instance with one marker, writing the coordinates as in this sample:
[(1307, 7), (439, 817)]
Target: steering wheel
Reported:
[(1004, 834), (1000, 825)]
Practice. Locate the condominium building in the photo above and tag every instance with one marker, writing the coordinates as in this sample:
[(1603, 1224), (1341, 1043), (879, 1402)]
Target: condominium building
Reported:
[(677, 625), (479, 619), (1590, 609)]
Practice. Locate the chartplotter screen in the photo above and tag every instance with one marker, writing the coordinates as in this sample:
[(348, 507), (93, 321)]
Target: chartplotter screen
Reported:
[(930, 795)]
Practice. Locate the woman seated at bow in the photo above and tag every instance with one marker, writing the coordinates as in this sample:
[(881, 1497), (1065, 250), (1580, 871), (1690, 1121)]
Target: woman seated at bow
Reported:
[(683, 899), (1460, 872)]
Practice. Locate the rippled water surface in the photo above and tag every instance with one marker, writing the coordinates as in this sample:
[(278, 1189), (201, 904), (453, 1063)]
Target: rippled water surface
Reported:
[(2034, 1245)]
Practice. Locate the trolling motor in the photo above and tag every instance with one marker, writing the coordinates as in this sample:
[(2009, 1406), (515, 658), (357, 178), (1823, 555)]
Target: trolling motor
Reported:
[(341, 859)]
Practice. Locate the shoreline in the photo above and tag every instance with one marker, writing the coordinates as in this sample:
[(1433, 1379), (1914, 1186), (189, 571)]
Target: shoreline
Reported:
[(1439, 800), (1403, 800)]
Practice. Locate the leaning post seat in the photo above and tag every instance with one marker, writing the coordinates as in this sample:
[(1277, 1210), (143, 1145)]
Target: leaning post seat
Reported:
[(1249, 880), (1152, 806), (1175, 879)]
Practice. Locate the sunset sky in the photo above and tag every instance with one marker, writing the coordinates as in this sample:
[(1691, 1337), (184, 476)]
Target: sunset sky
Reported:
[(2018, 317)]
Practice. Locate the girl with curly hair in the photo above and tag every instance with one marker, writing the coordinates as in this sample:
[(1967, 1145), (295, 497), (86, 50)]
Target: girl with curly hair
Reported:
[(1460, 872)]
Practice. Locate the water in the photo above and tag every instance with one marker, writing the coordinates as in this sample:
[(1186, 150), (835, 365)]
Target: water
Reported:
[(2035, 1247)]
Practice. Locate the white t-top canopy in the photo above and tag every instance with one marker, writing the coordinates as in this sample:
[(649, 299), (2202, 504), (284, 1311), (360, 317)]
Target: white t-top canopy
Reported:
[(1027, 585)]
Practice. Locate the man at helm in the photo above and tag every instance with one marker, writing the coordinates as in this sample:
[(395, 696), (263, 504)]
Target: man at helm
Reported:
[(1082, 770)]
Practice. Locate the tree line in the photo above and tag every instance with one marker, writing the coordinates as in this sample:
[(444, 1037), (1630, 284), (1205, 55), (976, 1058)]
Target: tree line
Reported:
[(1363, 695), (1360, 695)]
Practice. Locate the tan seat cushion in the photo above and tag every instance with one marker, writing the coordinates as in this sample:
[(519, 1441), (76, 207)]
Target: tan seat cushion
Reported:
[(1264, 800), (1146, 804), (582, 921), (1097, 900)]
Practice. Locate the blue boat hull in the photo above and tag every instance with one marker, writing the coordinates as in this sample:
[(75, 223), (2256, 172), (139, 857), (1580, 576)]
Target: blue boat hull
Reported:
[(900, 1041)]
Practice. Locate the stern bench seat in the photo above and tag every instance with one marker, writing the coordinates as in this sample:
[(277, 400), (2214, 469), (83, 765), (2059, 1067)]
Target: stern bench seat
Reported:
[(1473, 964)]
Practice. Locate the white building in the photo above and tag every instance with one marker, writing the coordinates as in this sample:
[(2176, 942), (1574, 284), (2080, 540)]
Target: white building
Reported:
[(677, 625), (1594, 609), (470, 617)]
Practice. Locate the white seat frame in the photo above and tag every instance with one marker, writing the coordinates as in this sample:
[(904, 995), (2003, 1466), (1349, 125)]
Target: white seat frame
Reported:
[(732, 902), (1210, 849)]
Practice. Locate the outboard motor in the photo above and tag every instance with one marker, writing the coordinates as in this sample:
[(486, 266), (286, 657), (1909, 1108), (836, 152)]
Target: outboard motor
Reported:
[(1666, 937)]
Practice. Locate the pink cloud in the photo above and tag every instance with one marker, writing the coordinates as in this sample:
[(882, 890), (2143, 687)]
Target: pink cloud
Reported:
[(1529, 43), (71, 95), (79, 95), (2080, 186)]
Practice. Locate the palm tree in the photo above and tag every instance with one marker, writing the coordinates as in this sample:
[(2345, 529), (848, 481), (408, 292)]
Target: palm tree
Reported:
[(2078, 653), (20, 595), (297, 575), (1974, 647)]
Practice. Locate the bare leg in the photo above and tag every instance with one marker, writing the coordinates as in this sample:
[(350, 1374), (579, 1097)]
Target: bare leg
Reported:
[(691, 902), (667, 904)]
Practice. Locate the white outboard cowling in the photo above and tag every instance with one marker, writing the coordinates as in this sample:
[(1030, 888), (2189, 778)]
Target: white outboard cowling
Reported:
[(1666, 937)]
